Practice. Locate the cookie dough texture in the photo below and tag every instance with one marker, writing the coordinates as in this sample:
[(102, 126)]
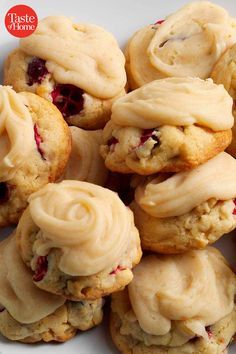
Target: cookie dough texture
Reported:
[(35, 147), (171, 305), (83, 55), (189, 210), (85, 162), (90, 253), (187, 43), (29, 314), (168, 125)]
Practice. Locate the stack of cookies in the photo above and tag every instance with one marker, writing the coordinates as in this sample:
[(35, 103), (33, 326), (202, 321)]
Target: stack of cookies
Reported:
[(139, 171)]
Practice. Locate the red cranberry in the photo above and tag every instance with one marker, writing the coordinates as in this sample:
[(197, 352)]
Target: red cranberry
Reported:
[(148, 133), (112, 143), (36, 71), (209, 332), (234, 211), (159, 22), (4, 192), (68, 99), (41, 268), (117, 270), (38, 141)]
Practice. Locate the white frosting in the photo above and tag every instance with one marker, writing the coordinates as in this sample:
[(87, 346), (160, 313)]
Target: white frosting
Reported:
[(16, 133), (25, 302), (196, 288), (187, 43), (85, 162), (184, 191), (83, 55), (224, 71), (175, 101), (84, 221)]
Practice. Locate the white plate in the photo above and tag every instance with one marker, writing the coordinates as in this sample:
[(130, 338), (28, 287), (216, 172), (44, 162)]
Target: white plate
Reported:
[(122, 18)]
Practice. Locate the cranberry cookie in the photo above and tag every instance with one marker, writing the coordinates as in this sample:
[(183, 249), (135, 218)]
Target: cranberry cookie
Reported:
[(78, 67), (187, 43), (181, 304), (79, 239), (35, 146), (168, 125), (28, 314), (188, 210), (85, 162)]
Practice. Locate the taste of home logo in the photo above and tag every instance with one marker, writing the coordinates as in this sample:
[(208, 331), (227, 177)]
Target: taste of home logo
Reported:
[(21, 21)]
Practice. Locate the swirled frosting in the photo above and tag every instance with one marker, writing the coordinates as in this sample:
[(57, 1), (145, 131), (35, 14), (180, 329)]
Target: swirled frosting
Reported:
[(196, 289), (187, 43), (224, 71), (83, 55), (16, 132), (184, 191), (85, 163), (175, 101), (90, 224), (18, 293)]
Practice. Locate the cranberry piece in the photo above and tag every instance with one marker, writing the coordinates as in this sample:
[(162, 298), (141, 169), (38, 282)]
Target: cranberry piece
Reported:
[(38, 141), (209, 332), (148, 133), (117, 270), (68, 99), (36, 71), (41, 268), (234, 211), (4, 192), (112, 143), (159, 22)]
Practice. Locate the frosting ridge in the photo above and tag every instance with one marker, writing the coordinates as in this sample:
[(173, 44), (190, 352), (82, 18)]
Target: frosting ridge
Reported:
[(83, 221), (16, 132), (195, 289), (175, 101), (83, 55), (184, 191)]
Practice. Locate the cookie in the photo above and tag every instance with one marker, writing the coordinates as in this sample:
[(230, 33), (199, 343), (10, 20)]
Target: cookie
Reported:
[(186, 44), (29, 314), (167, 125), (82, 73), (176, 304), (224, 72), (189, 209), (85, 162), (35, 146), (72, 238)]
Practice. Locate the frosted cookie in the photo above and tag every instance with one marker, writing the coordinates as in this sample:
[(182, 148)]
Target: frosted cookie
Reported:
[(188, 210), (168, 125), (85, 162), (35, 145), (28, 314), (224, 72), (176, 304), (79, 240), (78, 67), (186, 43)]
